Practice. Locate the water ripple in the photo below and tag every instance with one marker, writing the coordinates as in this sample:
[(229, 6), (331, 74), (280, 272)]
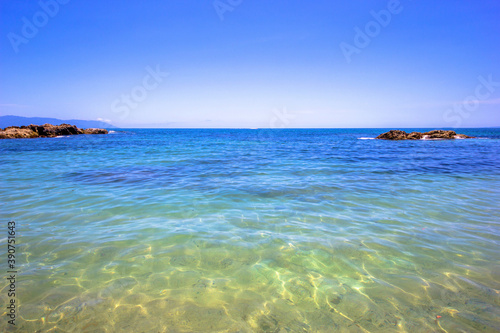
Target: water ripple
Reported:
[(254, 231)]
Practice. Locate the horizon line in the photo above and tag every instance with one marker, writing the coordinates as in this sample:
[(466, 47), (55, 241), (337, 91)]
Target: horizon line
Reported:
[(267, 128)]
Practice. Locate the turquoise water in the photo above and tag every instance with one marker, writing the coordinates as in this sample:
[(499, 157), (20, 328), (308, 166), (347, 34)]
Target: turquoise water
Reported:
[(253, 231)]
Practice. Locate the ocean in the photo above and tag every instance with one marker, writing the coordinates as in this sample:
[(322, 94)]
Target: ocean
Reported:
[(239, 230)]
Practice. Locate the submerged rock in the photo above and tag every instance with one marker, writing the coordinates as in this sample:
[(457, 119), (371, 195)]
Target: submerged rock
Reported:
[(435, 134), (46, 131)]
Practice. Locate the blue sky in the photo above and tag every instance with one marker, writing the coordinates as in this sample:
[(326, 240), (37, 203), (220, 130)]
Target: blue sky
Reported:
[(242, 63)]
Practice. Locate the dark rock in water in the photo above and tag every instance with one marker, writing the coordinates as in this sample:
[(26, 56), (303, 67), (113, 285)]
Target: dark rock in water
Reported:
[(335, 299), (49, 130), (95, 131), (46, 131), (440, 134), (15, 132), (414, 136), (393, 135), (463, 136), (435, 134)]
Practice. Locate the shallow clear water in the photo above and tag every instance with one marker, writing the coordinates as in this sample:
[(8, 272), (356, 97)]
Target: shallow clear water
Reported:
[(253, 231)]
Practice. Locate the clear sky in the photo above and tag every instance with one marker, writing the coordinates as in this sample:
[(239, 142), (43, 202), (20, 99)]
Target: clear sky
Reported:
[(253, 63)]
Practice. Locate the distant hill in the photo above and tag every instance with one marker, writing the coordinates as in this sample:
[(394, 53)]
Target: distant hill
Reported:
[(6, 121)]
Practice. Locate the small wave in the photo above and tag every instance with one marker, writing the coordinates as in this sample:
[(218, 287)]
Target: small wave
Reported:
[(112, 132), (366, 138)]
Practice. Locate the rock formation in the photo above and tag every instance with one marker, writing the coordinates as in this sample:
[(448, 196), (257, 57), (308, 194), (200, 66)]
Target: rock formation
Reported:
[(46, 131), (433, 135)]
